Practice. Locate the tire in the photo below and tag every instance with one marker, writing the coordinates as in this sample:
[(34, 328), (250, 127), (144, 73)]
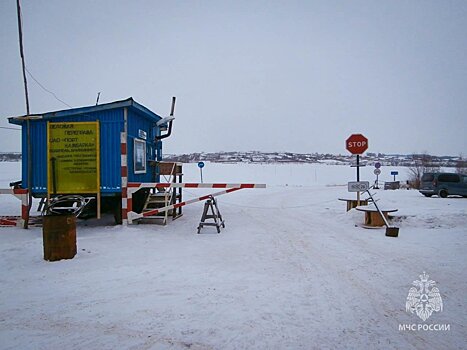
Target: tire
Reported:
[(443, 193)]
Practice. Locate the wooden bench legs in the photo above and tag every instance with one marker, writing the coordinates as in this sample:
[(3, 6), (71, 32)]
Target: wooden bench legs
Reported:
[(372, 218)]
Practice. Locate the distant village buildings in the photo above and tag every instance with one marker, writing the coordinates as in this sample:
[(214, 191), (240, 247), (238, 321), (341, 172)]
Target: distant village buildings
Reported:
[(287, 157)]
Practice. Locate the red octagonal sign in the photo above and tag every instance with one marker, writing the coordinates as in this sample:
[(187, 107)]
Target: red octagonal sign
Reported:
[(356, 144)]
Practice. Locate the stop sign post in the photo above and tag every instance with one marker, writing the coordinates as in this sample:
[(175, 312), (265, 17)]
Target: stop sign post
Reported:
[(357, 144)]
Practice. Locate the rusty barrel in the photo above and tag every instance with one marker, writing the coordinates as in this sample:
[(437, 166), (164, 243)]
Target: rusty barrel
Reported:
[(59, 235)]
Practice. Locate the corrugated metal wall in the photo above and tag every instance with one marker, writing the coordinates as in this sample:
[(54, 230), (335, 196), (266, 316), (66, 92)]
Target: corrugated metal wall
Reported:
[(111, 125), (39, 156), (137, 122)]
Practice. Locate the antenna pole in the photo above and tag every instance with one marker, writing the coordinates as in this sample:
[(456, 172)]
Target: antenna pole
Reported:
[(28, 126), (21, 51), (172, 109)]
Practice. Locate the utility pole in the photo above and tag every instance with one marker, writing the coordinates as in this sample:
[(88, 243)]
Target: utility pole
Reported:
[(28, 126)]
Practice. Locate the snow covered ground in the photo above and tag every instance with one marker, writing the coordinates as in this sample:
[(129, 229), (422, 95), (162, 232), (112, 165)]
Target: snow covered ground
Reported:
[(291, 270)]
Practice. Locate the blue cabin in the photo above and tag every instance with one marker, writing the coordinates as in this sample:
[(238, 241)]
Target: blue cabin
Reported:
[(140, 127)]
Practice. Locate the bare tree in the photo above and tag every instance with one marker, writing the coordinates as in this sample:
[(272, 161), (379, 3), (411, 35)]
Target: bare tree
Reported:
[(421, 163)]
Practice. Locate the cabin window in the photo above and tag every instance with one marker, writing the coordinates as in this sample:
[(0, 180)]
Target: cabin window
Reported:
[(139, 151)]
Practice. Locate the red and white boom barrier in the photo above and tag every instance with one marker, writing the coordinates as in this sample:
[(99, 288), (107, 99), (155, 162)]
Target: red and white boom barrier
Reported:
[(21, 194), (133, 187), (137, 186)]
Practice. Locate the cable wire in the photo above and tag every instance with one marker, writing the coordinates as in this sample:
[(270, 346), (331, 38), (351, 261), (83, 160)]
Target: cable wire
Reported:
[(47, 90)]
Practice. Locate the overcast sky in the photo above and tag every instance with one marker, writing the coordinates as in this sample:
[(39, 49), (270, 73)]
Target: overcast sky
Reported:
[(297, 76)]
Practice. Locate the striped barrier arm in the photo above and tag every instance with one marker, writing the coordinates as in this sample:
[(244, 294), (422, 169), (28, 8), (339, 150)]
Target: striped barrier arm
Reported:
[(9, 221), (134, 216), (134, 187), (137, 186)]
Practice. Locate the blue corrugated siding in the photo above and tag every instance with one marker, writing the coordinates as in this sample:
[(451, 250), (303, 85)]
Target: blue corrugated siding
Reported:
[(110, 125), (39, 156), (111, 180), (138, 122)]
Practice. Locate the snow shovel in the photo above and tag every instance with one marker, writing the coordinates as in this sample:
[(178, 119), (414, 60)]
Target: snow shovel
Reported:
[(391, 231)]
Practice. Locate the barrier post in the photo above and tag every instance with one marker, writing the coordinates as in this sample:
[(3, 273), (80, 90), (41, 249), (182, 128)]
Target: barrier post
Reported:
[(124, 175), (22, 195)]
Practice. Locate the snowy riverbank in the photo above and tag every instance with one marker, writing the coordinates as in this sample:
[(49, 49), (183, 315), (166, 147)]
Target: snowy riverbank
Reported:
[(291, 270)]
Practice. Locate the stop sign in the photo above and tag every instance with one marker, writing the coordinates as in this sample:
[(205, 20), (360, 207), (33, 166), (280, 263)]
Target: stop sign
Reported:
[(356, 144)]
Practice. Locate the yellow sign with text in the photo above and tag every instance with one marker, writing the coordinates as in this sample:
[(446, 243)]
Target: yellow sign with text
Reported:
[(73, 157)]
